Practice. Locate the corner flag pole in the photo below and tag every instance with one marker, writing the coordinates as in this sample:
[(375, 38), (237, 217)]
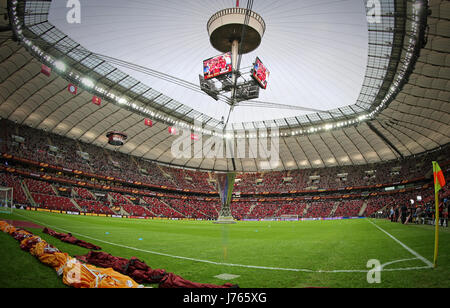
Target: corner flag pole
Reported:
[(436, 232), (439, 182)]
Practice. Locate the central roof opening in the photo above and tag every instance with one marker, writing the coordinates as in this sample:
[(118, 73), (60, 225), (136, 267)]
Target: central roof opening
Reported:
[(316, 52)]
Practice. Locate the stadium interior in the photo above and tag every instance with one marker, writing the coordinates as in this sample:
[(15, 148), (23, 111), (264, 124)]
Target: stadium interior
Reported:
[(90, 134)]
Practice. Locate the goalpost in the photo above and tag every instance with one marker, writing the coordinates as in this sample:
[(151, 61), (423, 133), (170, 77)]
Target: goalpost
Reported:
[(6, 200), (289, 217)]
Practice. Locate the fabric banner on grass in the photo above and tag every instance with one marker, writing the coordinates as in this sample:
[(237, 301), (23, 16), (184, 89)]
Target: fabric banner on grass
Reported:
[(73, 272), (69, 238), (142, 273)]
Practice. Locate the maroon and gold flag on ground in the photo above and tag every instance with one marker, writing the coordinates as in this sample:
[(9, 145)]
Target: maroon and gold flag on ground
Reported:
[(438, 175)]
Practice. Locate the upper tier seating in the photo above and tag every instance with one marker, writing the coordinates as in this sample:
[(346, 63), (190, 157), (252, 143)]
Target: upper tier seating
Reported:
[(40, 146)]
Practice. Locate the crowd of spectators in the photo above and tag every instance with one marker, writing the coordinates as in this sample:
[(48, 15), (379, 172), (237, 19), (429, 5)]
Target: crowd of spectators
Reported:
[(41, 146), (160, 209), (320, 209), (39, 186), (240, 210), (420, 212), (137, 210), (83, 193), (94, 206), (408, 207), (53, 202), (304, 209), (349, 208)]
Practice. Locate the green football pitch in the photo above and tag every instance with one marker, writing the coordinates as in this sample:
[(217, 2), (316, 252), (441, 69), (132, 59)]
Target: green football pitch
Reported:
[(333, 253)]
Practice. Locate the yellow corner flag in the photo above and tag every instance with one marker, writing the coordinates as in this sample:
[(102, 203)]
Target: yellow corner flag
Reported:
[(439, 182)]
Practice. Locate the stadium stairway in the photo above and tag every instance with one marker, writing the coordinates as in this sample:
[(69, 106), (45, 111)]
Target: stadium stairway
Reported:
[(80, 148), (170, 207), (211, 177), (115, 212), (135, 162), (363, 208), (335, 207), (75, 194), (49, 140), (128, 200), (201, 212), (384, 208), (27, 193), (110, 199), (168, 176), (147, 207), (76, 204), (305, 210), (94, 197), (251, 210), (123, 212), (54, 190)]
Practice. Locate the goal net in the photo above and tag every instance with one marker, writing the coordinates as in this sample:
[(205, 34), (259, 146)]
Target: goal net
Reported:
[(6, 200), (289, 217)]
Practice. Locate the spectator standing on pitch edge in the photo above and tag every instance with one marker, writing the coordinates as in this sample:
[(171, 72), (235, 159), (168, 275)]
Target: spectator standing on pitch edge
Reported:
[(404, 213)]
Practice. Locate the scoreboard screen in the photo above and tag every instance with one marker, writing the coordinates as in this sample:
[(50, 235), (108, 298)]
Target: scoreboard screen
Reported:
[(217, 66), (260, 73)]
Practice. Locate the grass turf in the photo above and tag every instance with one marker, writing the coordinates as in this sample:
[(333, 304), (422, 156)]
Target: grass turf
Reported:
[(263, 254)]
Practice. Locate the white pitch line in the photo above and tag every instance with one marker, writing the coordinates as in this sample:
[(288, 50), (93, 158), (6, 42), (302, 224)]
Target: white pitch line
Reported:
[(230, 264), (423, 259)]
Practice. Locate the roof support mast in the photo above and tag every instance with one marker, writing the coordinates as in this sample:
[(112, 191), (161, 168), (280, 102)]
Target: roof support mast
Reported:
[(237, 31), (234, 76), (234, 61)]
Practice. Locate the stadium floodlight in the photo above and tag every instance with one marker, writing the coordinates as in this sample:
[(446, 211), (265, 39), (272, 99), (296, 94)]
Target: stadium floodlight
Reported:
[(362, 118), (87, 82), (122, 101), (328, 126), (60, 66)]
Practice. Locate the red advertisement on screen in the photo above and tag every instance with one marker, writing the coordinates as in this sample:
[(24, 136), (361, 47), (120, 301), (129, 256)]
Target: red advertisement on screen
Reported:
[(260, 73), (217, 66)]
